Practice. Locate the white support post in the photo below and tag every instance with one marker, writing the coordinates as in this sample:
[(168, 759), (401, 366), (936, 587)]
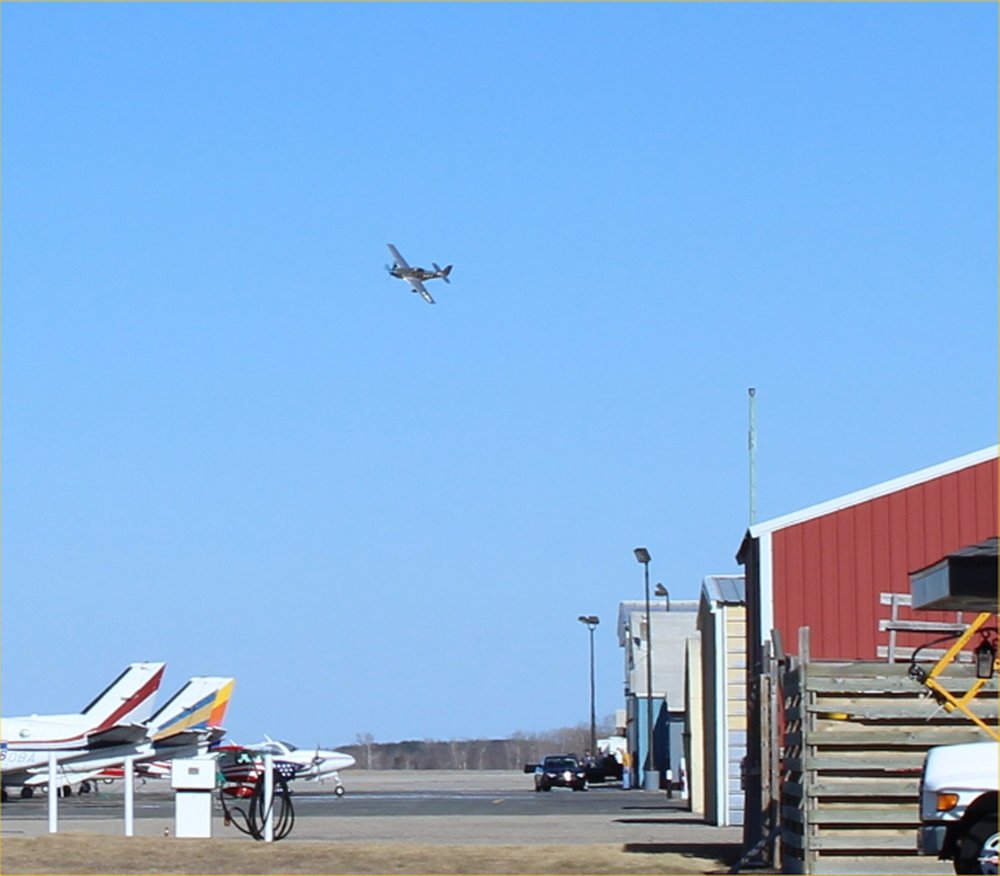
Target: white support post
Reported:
[(129, 796), (268, 797), (53, 795)]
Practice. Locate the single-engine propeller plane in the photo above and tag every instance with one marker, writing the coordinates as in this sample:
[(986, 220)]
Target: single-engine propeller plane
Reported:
[(416, 276)]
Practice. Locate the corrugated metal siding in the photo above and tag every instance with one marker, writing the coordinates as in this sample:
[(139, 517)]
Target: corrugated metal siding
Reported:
[(828, 572)]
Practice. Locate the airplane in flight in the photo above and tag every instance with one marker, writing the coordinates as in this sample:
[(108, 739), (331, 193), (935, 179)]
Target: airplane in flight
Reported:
[(244, 763), (416, 276), (184, 727), (25, 742)]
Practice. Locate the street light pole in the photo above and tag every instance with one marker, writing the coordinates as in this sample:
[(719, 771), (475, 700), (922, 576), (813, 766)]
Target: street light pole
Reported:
[(591, 620), (651, 779), (662, 591)]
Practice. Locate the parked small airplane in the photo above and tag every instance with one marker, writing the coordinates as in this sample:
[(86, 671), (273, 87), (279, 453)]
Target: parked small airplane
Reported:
[(243, 763), (315, 764), (416, 276), (26, 742), (184, 727), (147, 769)]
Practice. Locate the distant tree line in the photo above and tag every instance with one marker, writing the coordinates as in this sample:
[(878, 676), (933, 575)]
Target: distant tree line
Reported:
[(473, 754)]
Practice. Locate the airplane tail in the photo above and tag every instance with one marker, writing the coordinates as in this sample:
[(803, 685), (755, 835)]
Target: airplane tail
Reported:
[(443, 272), (129, 698), (198, 706)]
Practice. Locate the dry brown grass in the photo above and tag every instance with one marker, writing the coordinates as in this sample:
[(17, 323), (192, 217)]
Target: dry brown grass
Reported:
[(77, 853)]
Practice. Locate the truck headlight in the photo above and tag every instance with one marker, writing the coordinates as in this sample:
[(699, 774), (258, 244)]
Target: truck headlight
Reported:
[(946, 802)]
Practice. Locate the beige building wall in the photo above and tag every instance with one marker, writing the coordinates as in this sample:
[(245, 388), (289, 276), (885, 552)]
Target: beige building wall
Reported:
[(694, 728)]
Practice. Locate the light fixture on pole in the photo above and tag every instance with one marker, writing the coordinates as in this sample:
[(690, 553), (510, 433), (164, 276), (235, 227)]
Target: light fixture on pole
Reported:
[(985, 654), (591, 620), (662, 591), (651, 779)]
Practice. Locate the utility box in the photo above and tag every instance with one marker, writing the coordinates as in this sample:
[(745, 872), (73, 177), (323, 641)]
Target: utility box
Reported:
[(193, 781)]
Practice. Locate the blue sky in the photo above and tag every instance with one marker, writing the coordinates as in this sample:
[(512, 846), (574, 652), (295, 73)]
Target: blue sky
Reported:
[(232, 442)]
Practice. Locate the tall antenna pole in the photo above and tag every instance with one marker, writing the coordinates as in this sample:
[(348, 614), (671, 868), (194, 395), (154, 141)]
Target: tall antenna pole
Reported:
[(752, 446)]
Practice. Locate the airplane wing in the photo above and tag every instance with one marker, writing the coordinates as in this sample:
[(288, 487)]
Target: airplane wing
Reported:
[(395, 254), (123, 734), (184, 738), (64, 776), (419, 287)]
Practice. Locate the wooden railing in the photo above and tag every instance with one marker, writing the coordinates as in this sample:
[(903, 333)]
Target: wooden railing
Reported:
[(855, 737)]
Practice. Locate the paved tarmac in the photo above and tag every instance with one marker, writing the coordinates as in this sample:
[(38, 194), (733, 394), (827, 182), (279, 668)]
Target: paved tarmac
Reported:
[(441, 809), (446, 807)]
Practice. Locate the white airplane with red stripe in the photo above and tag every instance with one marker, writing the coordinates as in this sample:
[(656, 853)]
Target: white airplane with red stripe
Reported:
[(186, 726), (27, 742)]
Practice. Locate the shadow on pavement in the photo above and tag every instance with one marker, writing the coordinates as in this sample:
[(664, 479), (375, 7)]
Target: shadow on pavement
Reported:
[(660, 808)]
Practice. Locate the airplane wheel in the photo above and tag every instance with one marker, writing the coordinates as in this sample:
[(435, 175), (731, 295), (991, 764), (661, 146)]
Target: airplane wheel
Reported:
[(85, 787), (66, 791), (27, 792), (3, 796), (340, 790)]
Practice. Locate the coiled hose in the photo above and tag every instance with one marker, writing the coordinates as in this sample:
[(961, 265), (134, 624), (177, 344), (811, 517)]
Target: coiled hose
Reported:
[(251, 821)]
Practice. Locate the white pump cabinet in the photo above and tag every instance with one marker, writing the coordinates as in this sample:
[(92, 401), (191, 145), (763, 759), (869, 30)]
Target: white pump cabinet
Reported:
[(193, 781)]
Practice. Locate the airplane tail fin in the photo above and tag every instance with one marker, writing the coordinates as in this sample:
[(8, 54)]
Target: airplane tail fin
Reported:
[(129, 698), (200, 705), (444, 272)]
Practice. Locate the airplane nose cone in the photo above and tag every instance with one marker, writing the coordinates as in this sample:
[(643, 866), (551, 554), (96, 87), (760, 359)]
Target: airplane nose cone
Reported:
[(348, 761)]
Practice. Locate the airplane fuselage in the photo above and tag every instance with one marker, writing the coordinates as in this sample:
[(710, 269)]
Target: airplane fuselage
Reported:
[(414, 273), (14, 760), (311, 763)]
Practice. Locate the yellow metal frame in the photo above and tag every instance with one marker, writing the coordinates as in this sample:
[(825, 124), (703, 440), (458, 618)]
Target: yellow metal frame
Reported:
[(948, 700)]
